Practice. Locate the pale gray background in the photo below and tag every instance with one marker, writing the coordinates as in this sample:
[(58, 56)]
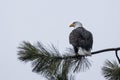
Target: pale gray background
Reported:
[(47, 21)]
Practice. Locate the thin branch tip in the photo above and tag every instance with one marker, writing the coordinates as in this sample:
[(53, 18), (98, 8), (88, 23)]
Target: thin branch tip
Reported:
[(105, 50)]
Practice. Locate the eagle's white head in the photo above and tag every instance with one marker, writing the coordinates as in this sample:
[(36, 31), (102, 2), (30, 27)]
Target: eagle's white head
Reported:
[(76, 24)]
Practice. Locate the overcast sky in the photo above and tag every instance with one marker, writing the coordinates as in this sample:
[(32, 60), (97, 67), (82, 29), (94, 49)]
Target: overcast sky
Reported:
[(47, 21)]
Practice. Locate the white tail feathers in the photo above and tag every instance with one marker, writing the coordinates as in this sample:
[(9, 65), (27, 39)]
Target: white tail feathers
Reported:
[(84, 52)]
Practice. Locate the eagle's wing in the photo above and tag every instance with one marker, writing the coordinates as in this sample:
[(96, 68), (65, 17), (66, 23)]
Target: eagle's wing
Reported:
[(80, 37), (90, 40), (75, 38)]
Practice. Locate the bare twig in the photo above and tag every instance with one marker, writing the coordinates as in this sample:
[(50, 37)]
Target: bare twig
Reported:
[(93, 53), (105, 50), (116, 53)]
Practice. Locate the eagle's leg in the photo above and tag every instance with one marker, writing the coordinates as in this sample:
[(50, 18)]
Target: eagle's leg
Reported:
[(76, 50)]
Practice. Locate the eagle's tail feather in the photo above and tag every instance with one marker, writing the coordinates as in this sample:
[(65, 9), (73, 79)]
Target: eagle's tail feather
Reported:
[(84, 52)]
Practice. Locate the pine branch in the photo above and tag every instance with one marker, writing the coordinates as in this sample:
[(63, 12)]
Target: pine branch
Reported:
[(111, 70), (50, 62)]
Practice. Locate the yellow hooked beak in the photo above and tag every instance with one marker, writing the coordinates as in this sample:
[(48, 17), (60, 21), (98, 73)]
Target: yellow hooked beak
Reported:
[(71, 25)]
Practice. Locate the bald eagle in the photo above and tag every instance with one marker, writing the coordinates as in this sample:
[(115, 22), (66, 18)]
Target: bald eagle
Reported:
[(81, 39)]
